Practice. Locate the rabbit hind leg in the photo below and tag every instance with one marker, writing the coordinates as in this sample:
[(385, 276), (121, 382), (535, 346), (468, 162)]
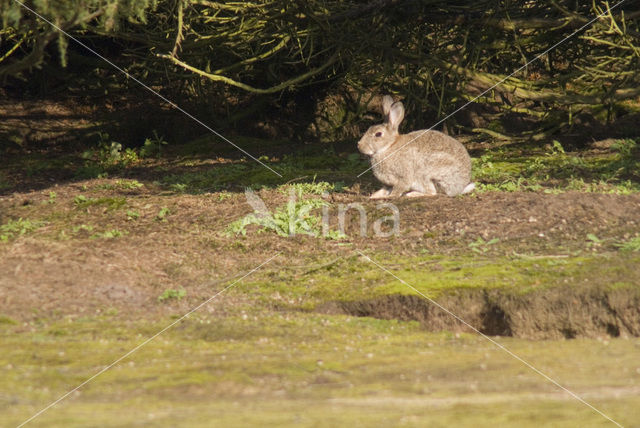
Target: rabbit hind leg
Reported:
[(418, 189), (427, 188), (399, 189)]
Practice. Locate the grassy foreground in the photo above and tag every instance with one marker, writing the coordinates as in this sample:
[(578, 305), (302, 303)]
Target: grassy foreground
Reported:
[(287, 369), (94, 266)]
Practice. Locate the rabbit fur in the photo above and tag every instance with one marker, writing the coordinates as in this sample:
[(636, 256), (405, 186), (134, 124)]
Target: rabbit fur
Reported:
[(416, 164)]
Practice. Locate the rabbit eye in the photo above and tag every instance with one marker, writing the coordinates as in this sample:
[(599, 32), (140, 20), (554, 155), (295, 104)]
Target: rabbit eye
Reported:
[(378, 134)]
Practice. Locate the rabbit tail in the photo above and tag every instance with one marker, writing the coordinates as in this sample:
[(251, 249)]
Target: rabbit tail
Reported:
[(470, 188)]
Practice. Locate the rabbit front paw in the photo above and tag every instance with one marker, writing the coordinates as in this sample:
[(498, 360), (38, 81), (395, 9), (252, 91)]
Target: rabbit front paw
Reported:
[(416, 194), (380, 194)]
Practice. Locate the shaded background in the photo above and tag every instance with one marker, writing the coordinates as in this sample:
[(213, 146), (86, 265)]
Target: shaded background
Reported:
[(310, 71)]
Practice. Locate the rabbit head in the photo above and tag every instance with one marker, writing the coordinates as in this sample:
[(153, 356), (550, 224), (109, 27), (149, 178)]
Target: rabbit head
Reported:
[(379, 138)]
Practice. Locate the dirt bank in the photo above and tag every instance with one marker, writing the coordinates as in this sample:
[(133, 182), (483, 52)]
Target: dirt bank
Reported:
[(559, 312)]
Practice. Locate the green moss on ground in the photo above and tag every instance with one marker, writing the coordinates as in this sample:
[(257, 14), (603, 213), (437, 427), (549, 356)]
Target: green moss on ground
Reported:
[(296, 369), (355, 278)]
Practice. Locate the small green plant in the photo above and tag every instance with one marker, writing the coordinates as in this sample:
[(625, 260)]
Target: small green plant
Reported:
[(153, 146), (15, 228), (557, 149), (133, 215), (107, 155), (625, 163), (593, 241), (290, 219), (52, 198), (178, 187), (625, 147), (80, 199), (129, 184), (162, 214), (171, 293), (632, 244), (83, 228), (336, 235), (222, 196), (481, 246)]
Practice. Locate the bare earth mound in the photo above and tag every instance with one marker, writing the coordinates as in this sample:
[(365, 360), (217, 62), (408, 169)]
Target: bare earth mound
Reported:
[(67, 268)]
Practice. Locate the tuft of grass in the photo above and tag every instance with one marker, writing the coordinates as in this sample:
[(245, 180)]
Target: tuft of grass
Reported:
[(107, 156), (593, 242), (516, 185), (133, 215), (556, 170), (7, 321), (172, 294), (15, 228), (121, 185), (632, 244), (83, 228), (481, 246), (313, 188), (111, 203), (222, 196), (179, 187), (52, 197), (109, 153), (162, 214), (152, 147)]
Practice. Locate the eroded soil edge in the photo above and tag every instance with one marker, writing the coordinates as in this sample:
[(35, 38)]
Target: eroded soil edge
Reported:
[(552, 313)]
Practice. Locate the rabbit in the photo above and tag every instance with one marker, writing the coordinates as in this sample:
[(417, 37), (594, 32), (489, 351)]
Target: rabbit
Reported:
[(420, 163)]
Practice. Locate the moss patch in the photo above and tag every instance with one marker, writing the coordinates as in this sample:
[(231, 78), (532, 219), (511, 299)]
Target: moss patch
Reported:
[(213, 370)]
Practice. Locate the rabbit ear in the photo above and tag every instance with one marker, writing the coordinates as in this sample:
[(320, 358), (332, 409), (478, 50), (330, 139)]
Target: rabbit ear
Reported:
[(396, 114), (387, 101)]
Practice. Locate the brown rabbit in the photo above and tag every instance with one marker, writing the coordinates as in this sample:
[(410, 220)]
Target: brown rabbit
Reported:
[(416, 164)]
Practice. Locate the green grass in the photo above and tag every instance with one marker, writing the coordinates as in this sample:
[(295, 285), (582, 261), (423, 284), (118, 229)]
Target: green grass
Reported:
[(14, 228), (163, 214), (110, 203), (326, 166), (556, 171), (295, 369), (120, 185), (632, 244), (354, 279), (481, 246), (244, 363), (172, 294), (312, 188)]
